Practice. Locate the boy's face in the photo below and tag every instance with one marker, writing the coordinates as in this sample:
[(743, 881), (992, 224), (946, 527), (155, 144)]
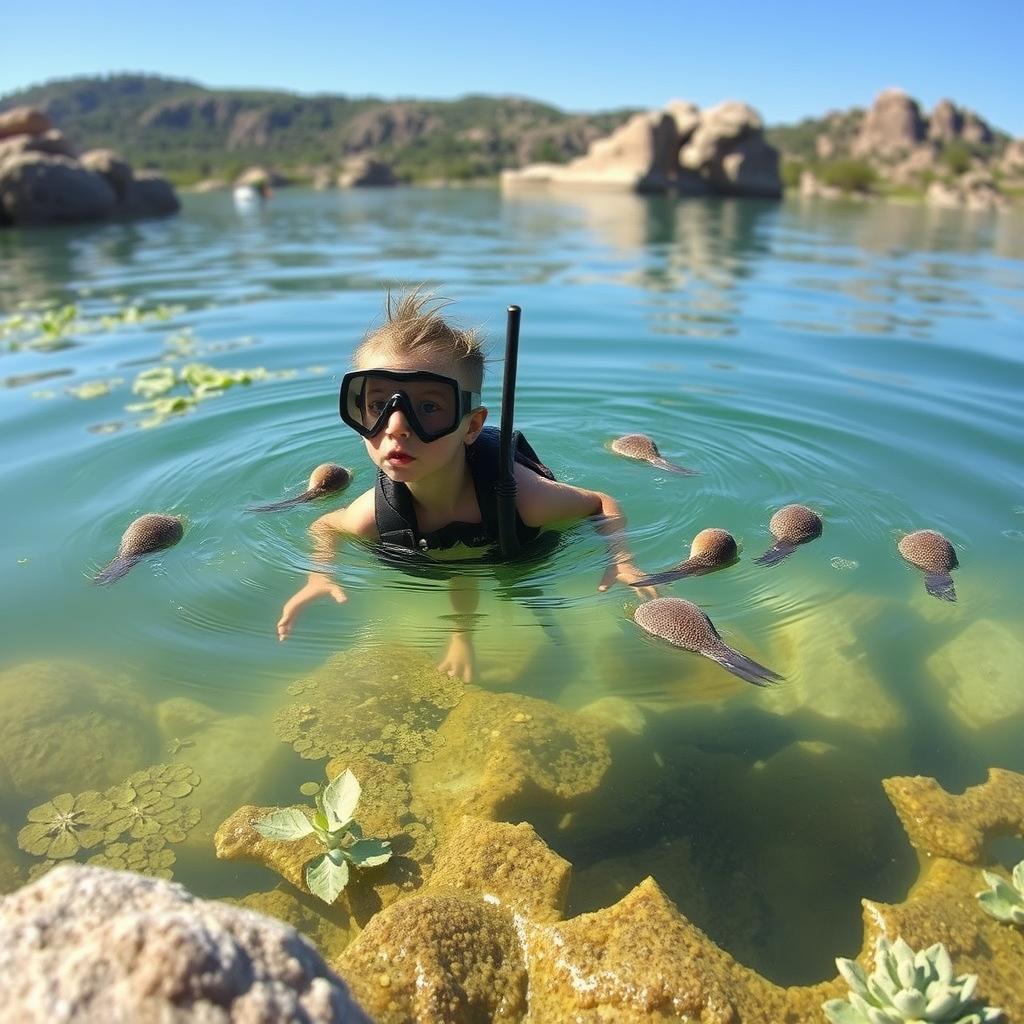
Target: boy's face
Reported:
[(396, 449)]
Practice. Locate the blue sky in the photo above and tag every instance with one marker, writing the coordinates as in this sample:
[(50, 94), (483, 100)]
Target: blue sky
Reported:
[(788, 59)]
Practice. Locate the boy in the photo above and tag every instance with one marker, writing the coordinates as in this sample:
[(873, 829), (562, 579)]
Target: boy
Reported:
[(414, 397)]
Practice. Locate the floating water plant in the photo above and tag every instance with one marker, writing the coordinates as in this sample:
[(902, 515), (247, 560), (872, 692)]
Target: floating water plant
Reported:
[(1003, 901), (64, 825), (150, 856), (908, 986), (334, 825)]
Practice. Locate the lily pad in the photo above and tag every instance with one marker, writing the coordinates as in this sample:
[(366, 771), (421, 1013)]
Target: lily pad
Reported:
[(62, 826)]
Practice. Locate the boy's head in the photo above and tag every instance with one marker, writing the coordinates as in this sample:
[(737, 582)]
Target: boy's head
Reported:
[(415, 336)]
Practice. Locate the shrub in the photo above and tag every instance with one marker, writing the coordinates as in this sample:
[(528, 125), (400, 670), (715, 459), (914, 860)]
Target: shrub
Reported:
[(957, 156), (791, 171), (849, 175)]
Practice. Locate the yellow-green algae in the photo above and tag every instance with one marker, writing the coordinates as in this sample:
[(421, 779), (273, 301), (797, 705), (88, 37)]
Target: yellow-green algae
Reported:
[(68, 727), (359, 704), (939, 824)]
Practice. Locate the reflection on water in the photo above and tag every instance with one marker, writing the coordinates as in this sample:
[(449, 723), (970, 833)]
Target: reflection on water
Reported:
[(860, 359)]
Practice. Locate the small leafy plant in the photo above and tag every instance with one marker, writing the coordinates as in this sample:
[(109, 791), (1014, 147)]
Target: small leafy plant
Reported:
[(333, 824), (908, 986), (1001, 900)]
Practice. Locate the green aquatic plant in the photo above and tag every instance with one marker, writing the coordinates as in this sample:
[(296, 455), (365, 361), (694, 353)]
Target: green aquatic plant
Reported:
[(95, 388), (148, 803), (1001, 900), (64, 825), (334, 825), (149, 856), (153, 382), (908, 986)]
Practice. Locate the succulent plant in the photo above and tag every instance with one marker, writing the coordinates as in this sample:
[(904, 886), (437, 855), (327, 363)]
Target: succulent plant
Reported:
[(334, 825), (1003, 901), (64, 825), (908, 986)]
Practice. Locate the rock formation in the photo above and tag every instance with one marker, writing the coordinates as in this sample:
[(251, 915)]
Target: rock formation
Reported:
[(891, 128), (720, 150), (44, 181), (92, 945)]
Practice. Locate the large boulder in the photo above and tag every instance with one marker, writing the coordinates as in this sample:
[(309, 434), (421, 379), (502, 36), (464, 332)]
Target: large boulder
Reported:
[(38, 188), (255, 176), (976, 131), (946, 122), (365, 172), (721, 128), (107, 947), (116, 170), (148, 195), (891, 128), (52, 142), (24, 121), (1012, 162), (975, 190)]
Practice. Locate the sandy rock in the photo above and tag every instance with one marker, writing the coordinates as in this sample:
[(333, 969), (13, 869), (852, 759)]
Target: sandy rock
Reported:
[(40, 188), (507, 757), (617, 713), (506, 864), (943, 196), (721, 128), (946, 122), (892, 127), (979, 671), (365, 172), (23, 121), (106, 947), (941, 907), (68, 728), (116, 170), (210, 185), (1012, 162), (940, 824), (439, 956), (52, 142), (686, 116), (255, 175)]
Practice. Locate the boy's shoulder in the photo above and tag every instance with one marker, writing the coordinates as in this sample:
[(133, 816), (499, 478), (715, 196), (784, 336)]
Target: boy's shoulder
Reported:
[(544, 502), (357, 518)]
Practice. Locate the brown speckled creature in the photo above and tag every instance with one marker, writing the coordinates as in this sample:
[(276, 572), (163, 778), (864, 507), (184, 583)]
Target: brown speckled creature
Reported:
[(684, 625), (712, 549), (149, 533), (325, 479), (934, 555), (640, 446), (790, 526)]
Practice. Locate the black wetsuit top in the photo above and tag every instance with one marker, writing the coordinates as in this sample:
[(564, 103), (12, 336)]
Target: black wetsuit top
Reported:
[(396, 516)]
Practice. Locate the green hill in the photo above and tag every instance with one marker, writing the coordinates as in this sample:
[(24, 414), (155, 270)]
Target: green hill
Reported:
[(192, 132)]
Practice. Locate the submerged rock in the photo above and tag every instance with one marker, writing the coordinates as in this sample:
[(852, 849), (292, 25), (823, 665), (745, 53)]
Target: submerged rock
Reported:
[(93, 945), (979, 672), (941, 824), (66, 727)]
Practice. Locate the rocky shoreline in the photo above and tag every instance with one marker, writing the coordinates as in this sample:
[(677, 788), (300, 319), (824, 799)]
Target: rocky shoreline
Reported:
[(44, 180)]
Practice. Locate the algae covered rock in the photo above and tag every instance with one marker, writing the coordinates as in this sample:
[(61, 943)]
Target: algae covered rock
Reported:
[(360, 704), (979, 671), (438, 956), (506, 757), (94, 946), (10, 871), (940, 824), (506, 864), (67, 727)]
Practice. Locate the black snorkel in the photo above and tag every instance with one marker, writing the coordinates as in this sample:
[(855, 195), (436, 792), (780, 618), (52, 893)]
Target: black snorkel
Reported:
[(505, 486)]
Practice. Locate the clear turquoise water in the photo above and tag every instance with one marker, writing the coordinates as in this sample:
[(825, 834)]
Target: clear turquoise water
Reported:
[(864, 360)]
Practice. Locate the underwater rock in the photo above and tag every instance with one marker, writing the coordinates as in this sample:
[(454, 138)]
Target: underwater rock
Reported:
[(640, 960), (508, 865), (980, 672), (67, 727), (439, 956), (617, 713), (941, 908), (941, 824), (145, 536), (235, 757), (508, 757), (383, 814), (93, 945), (359, 704), (10, 871), (831, 677)]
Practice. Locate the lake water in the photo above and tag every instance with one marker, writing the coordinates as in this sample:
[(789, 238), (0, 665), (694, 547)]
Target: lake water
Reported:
[(862, 359)]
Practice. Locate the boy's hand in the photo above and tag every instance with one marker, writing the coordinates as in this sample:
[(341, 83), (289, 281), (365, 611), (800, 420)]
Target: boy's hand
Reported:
[(459, 660), (627, 573), (310, 592)]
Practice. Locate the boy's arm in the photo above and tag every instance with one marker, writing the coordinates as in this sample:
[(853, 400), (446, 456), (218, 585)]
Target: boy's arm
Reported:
[(460, 659), (543, 502), (356, 520)]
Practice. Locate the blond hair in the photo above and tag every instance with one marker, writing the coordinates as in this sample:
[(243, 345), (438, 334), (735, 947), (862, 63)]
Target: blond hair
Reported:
[(413, 323)]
